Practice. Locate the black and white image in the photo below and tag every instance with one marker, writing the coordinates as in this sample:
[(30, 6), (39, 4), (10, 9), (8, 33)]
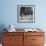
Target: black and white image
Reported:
[(26, 13)]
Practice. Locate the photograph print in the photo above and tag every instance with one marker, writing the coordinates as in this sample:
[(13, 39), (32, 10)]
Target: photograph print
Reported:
[(26, 13)]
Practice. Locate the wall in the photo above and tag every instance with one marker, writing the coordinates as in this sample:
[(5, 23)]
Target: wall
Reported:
[(9, 13)]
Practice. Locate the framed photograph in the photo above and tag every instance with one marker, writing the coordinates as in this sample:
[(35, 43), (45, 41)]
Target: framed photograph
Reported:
[(26, 13)]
